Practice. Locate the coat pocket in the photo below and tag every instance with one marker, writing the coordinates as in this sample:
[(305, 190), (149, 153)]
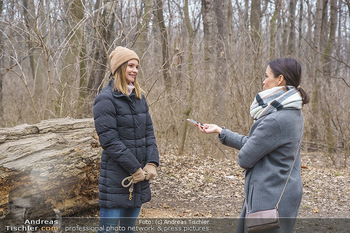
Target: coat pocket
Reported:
[(250, 198)]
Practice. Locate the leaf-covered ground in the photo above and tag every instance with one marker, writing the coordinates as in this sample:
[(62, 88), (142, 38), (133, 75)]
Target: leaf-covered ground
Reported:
[(208, 187)]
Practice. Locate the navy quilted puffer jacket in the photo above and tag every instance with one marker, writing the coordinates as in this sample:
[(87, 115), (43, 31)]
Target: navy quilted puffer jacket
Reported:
[(125, 131)]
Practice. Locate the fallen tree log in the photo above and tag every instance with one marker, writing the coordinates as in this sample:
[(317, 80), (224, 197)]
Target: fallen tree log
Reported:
[(48, 168)]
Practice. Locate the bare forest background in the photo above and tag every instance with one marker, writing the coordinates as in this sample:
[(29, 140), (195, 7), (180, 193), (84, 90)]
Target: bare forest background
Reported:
[(200, 59)]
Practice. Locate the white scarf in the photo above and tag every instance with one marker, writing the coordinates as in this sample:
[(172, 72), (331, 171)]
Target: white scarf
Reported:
[(274, 99), (131, 87)]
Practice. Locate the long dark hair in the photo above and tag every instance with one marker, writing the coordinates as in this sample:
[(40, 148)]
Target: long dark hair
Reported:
[(291, 71)]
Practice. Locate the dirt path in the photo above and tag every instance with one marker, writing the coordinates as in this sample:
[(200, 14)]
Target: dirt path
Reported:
[(214, 188)]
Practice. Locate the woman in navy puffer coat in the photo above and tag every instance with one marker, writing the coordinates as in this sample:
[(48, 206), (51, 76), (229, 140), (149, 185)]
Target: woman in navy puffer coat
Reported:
[(125, 131)]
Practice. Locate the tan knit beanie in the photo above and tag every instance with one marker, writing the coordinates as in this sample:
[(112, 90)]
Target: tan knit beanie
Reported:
[(121, 55)]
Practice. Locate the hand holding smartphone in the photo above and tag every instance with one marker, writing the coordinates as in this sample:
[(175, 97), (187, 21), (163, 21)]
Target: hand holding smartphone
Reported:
[(195, 122), (209, 128)]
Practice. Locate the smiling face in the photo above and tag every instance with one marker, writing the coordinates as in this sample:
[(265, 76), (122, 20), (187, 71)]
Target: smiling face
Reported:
[(272, 81), (132, 70)]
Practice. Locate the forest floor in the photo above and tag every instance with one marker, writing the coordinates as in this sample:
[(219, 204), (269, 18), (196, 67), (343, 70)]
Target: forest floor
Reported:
[(213, 188)]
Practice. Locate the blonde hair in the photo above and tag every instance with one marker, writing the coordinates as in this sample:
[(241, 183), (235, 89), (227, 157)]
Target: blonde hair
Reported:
[(120, 84)]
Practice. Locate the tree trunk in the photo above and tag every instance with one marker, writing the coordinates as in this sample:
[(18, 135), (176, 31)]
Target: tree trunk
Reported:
[(70, 73), (318, 100), (324, 26), (320, 25), (1, 101), (229, 23), (49, 167), (291, 39), (246, 16), (146, 18), (100, 52), (309, 39), (82, 98), (255, 13), (284, 42), (255, 34), (34, 35), (318, 17), (273, 27), (327, 70), (300, 31), (1, 65), (188, 110), (29, 19), (219, 104), (165, 48), (207, 6), (331, 39)]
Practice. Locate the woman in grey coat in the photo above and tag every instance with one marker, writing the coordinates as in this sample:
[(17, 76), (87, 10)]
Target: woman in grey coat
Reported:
[(268, 153)]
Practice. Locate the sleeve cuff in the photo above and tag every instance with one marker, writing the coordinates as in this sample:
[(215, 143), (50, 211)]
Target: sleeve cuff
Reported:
[(152, 164), (222, 135)]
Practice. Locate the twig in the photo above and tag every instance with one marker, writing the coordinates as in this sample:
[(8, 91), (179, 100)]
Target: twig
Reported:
[(217, 146)]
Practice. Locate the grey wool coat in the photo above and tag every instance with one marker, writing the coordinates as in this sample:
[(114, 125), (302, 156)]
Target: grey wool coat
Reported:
[(267, 155)]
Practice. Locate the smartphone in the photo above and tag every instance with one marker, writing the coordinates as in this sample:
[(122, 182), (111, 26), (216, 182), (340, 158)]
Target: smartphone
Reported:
[(195, 122)]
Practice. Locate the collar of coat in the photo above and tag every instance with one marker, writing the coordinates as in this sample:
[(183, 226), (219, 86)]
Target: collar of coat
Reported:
[(118, 94)]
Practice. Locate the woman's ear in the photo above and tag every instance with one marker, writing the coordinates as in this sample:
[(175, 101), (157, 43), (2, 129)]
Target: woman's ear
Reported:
[(281, 80)]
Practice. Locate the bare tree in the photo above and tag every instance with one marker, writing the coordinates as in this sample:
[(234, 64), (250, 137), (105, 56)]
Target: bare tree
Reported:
[(144, 28), (318, 42), (300, 28), (188, 109), (321, 24), (273, 28), (69, 74), (102, 26), (255, 15), (348, 4), (219, 104), (327, 70), (331, 39), (291, 39), (29, 18), (207, 14), (1, 63), (165, 47)]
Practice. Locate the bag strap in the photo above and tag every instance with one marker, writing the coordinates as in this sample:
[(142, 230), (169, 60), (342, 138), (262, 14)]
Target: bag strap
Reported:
[(290, 173), (291, 169)]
